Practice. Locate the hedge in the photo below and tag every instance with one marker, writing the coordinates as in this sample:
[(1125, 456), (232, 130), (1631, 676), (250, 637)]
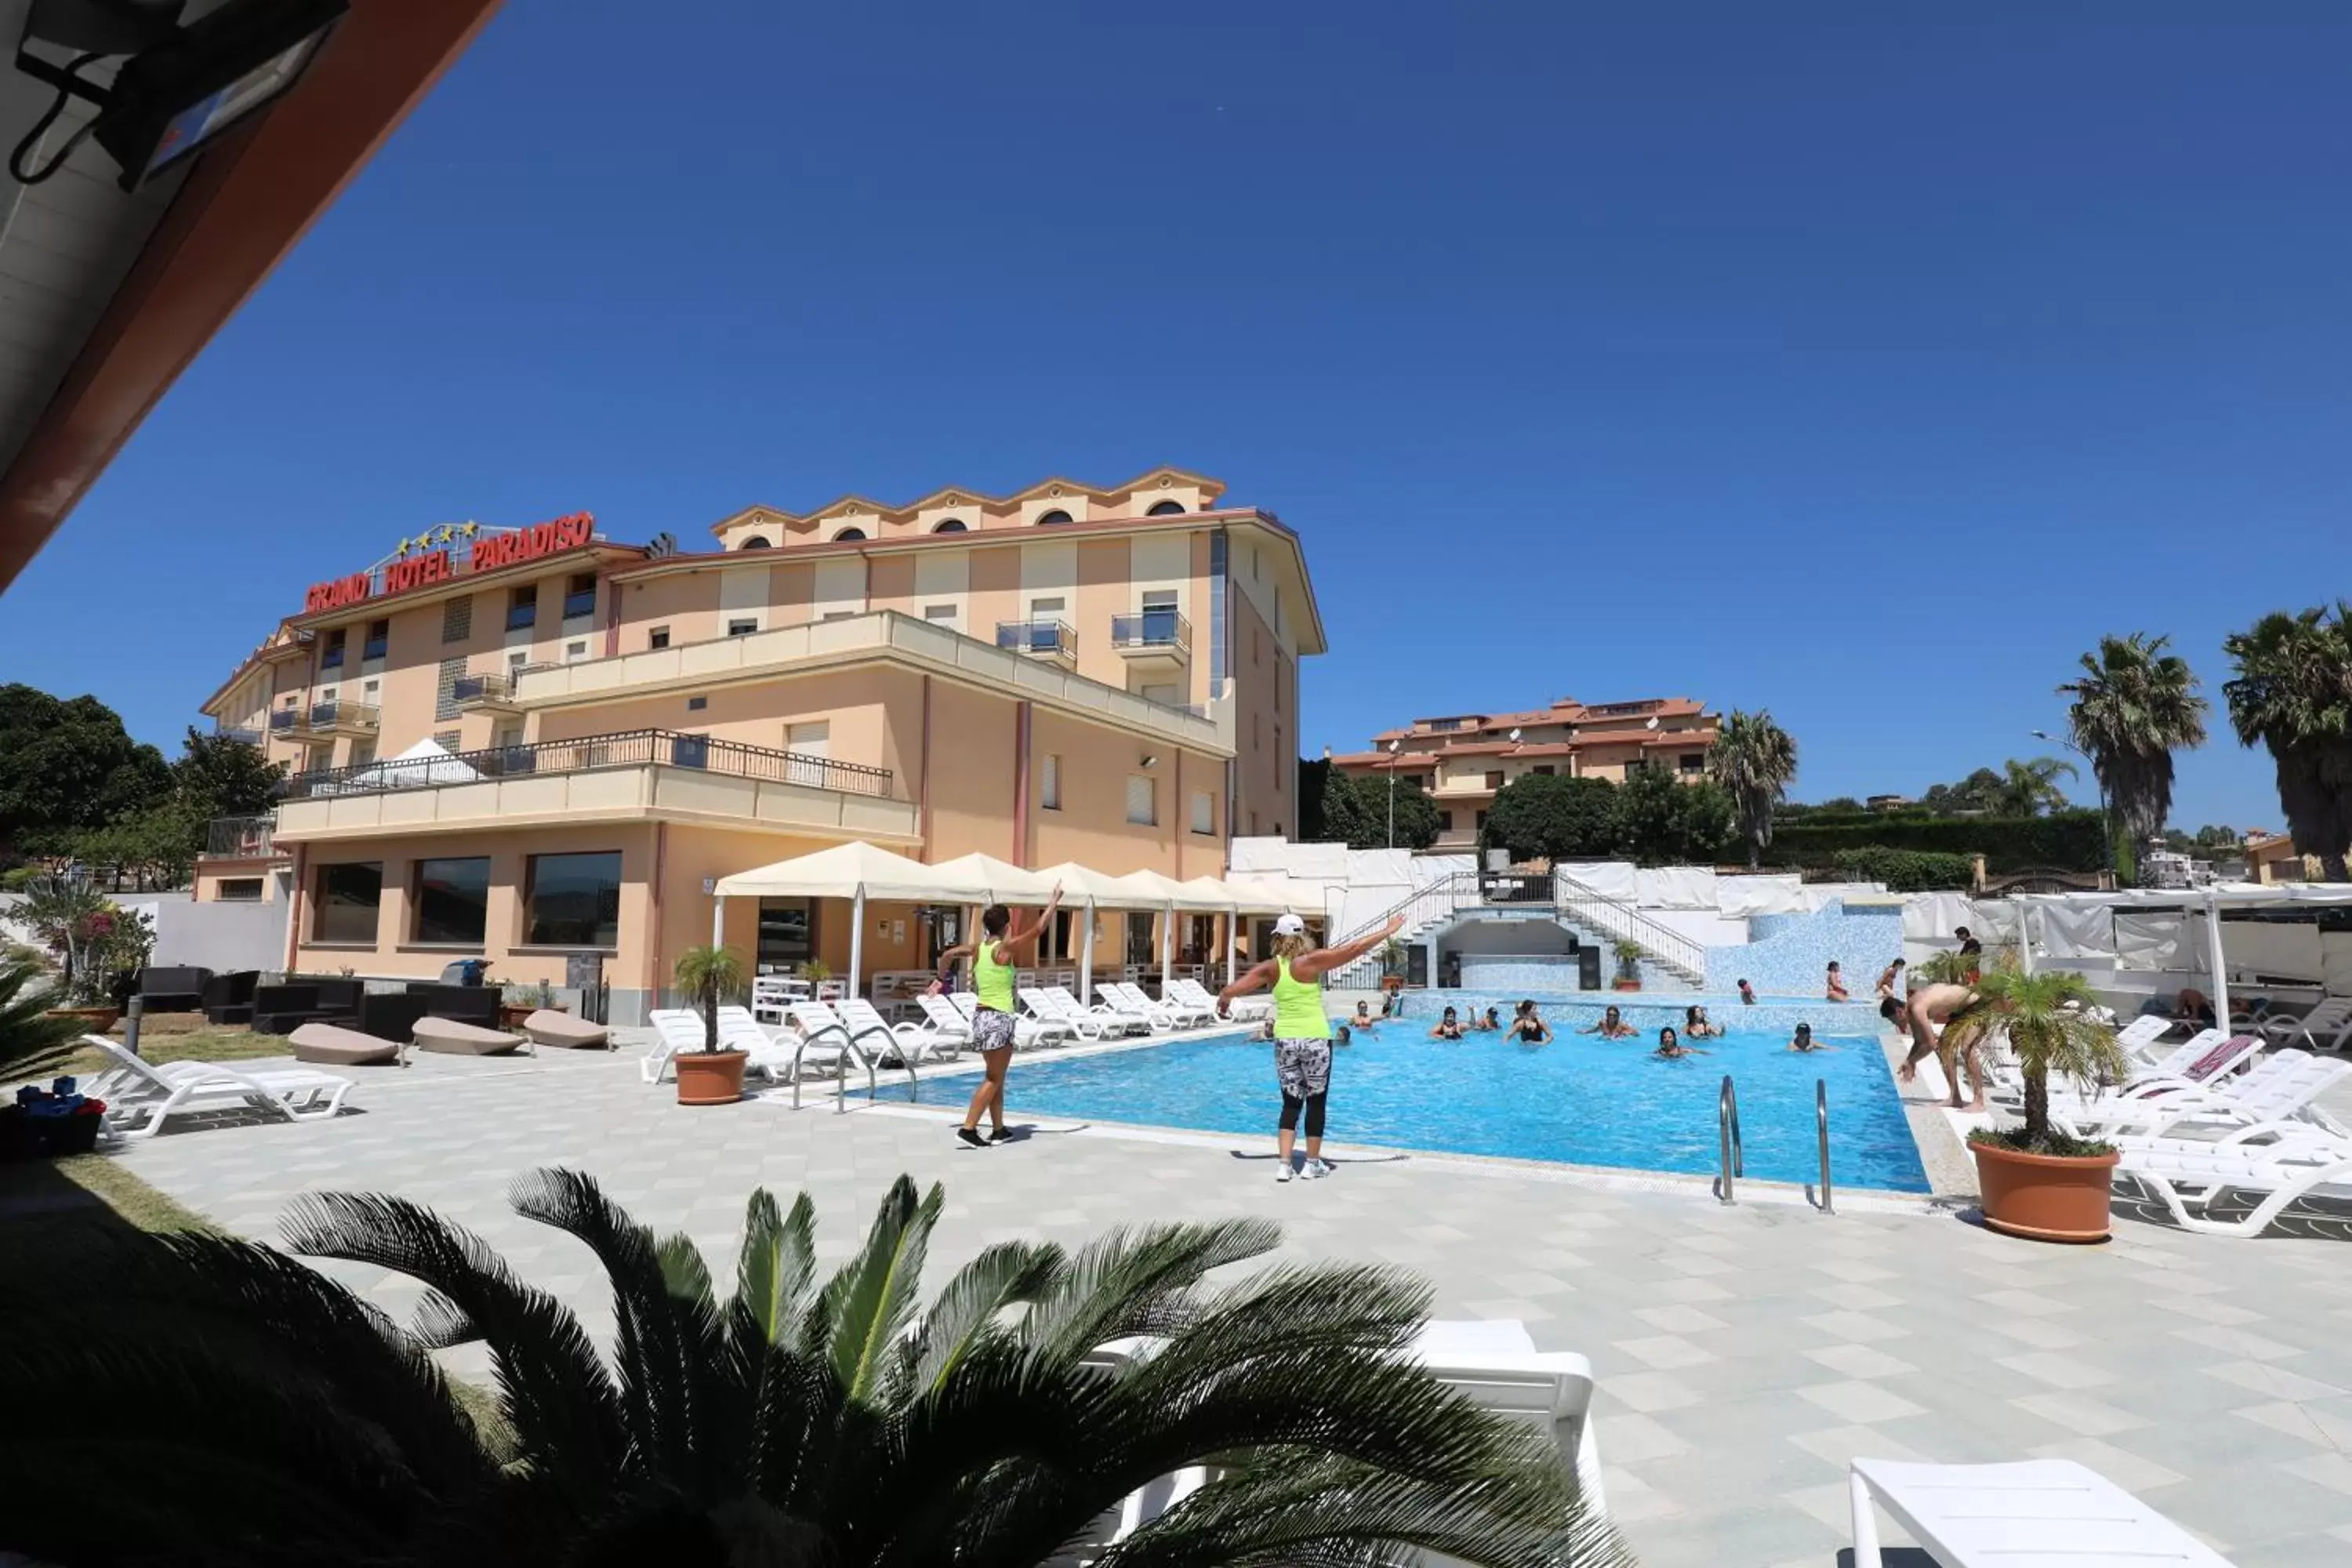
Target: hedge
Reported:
[(2069, 841), (1906, 870)]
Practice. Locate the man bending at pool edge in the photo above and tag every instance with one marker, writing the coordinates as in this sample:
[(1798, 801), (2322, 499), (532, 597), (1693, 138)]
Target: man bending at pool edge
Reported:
[(1930, 1009)]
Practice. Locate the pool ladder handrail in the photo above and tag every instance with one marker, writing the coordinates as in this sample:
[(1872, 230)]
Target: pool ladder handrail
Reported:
[(1726, 1116), (1821, 1130)]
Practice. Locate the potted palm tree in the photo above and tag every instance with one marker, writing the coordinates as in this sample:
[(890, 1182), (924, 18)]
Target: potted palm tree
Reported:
[(2035, 1182), (1392, 965), (1629, 963), (709, 1076)]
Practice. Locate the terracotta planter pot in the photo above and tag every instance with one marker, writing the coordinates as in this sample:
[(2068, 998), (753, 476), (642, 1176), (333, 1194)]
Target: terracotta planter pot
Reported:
[(93, 1020), (2045, 1197), (1392, 983), (1623, 985), (710, 1078)]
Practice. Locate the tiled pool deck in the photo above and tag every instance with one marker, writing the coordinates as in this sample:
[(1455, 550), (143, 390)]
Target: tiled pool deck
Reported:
[(1743, 1354)]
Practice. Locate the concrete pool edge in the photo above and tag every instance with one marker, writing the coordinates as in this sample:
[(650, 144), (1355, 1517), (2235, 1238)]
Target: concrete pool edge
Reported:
[(1950, 1173)]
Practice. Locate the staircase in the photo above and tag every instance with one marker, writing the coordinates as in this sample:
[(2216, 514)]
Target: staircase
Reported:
[(1595, 918)]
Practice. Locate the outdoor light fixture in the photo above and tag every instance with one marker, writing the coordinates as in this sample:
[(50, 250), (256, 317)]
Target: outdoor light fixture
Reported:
[(1149, 759), (178, 86)]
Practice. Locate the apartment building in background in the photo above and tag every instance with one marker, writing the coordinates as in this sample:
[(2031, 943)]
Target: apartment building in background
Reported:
[(522, 744), (1462, 760)]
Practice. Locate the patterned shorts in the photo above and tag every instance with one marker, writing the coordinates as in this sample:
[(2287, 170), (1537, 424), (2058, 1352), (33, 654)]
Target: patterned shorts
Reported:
[(990, 1031), (1304, 1066)]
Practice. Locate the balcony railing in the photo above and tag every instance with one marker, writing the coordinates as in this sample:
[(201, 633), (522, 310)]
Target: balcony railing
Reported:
[(1154, 630), (481, 688), (237, 732), (1052, 637), (627, 749), (343, 715), (239, 839), (284, 719)]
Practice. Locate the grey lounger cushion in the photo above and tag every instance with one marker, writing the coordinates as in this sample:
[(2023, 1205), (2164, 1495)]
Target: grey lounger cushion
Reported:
[(551, 1028), (462, 1039), (344, 1047)]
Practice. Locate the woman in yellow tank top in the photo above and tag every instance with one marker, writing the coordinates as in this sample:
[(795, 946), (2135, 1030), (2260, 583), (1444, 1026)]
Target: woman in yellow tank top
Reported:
[(995, 958), (1302, 1030)]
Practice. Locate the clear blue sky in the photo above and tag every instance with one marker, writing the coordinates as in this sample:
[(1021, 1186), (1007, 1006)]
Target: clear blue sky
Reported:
[(1850, 360)]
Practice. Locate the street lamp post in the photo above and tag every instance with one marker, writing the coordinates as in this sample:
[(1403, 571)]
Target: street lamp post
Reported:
[(2106, 827), (1394, 746)]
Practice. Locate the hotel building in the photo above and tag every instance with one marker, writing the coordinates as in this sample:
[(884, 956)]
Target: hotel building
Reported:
[(527, 745), (1461, 760)]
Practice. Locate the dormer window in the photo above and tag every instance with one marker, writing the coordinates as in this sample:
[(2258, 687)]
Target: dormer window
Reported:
[(1166, 509), (953, 525), (847, 534), (1051, 519), (757, 542)]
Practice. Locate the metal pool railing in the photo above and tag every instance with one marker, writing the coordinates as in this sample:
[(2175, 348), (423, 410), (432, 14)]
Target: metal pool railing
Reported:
[(1726, 1116), (1821, 1130)]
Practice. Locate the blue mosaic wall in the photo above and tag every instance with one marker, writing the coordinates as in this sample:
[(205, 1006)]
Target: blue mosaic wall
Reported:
[(1519, 972), (1647, 1011), (1792, 956)]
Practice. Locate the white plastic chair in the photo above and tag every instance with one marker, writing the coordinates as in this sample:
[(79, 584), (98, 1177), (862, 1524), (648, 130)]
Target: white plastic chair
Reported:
[(141, 1095), (2284, 1087), (680, 1029), (2280, 1163), (2325, 1028), (1241, 1009), (1027, 1033), (1171, 1011), (1109, 1016), (910, 1043)]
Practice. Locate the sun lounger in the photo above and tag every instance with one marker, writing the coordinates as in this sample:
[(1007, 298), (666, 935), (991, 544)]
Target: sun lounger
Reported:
[(2284, 1087), (2143, 1032), (1113, 1017), (1168, 1013), (450, 1037), (547, 1026), (339, 1047), (907, 1043), (2326, 1028), (2208, 1057), (1027, 1032), (1498, 1368), (2279, 1165), (141, 1095), (2043, 1513), (680, 1029), (946, 1024), (1241, 1009)]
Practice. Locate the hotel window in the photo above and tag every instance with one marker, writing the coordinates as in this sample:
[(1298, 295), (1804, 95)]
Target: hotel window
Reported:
[(1046, 609), (1049, 519), (332, 657), (239, 890), (849, 535), (1165, 509), (744, 628), (1049, 783), (453, 900), (1544, 769), (1482, 822), (573, 651), (657, 637), (1143, 800), (1445, 822), (522, 608), (839, 615), (1204, 811), (1692, 762), (696, 704), (572, 900), (580, 596), (757, 542), (953, 525), (379, 637), (363, 753), (458, 618), (348, 898), (1495, 779), (939, 613)]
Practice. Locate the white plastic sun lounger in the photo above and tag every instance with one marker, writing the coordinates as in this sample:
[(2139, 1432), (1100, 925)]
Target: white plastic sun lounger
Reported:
[(2284, 1087), (141, 1095), (680, 1029), (1239, 1009), (2041, 1514), (1110, 1013), (2143, 1032), (1028, 1033), (909, 1042), (2326, 1028), (2187, 1176), (1495, 1365), (2205, 1061), (939, 1013), (1166, 1017)]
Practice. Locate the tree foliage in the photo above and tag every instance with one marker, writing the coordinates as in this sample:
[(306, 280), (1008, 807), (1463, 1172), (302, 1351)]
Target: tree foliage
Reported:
[(1906, 870), (68, 764), (1661, 821), (2293, 694), (1355, 812), (2046, 1020), (1752, 761), (1549, 817), (2133, 707), (2069, 841), (802, 1420)]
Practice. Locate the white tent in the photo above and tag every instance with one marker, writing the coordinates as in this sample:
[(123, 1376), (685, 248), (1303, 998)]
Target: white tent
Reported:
[(857, 871), (1083, 887), (1006, 882), (2050, 919), (423, 765)]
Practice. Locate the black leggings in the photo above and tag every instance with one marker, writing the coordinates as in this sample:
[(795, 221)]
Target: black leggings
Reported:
[(1313, 1106)]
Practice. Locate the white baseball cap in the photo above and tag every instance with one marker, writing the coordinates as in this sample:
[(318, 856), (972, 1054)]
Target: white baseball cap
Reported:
[(1290, 925)]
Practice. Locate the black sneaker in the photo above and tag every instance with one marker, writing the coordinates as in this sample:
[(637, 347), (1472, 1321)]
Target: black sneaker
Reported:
[(1001, 1135), (971, 1137)]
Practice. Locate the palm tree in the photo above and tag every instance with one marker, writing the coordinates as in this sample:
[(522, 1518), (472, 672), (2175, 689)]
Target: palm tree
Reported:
[(802, 1420), (2046, 1021), (2029, 788), (2134, 706), (1753, 760), (708, 975), (31, 1042), (2293, 692)]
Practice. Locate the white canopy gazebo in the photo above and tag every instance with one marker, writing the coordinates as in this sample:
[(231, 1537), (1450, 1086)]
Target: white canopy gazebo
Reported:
[(1083, 885), (857, 871), (1006, 882), (2052, 915)]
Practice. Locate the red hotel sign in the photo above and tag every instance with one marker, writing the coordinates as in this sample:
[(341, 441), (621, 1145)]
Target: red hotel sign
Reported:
[(486, 552)]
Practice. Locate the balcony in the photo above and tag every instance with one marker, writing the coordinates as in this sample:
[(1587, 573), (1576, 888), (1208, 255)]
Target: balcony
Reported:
[(342, 719), (1051, 640), (240, 839), (285, 720), (236, 732), (1154, 639), (632, 775), (489, 692)]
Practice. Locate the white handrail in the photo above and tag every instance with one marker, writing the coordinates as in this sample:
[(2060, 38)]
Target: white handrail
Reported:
[(1618, 919)]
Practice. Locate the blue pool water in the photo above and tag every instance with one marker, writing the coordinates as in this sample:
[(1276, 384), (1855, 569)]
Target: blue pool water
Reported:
[(1579, 1099)]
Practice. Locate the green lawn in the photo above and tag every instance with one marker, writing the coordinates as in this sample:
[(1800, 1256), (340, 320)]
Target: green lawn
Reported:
[(199, 1045)]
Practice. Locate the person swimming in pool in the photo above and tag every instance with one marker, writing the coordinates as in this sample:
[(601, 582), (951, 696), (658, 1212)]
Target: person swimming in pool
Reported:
[(1671, 1049), (1834, 991), (1746, 995), (1697, 1025), (1363, 1019), (1890, 980), (1449, 1027), (1804, 1041), (1487, 1022), (1527, 1027), (1610, 1027)]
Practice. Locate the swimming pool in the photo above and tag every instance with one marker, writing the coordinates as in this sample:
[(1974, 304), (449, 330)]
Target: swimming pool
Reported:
[(1579, 1099)]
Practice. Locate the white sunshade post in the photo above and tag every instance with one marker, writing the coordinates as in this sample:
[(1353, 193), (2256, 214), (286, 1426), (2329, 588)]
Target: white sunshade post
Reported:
[(1167, 951), (1233, 944), (719, 920), (856, 936), (2024, 937), (2214, 956), (1086, 960)]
